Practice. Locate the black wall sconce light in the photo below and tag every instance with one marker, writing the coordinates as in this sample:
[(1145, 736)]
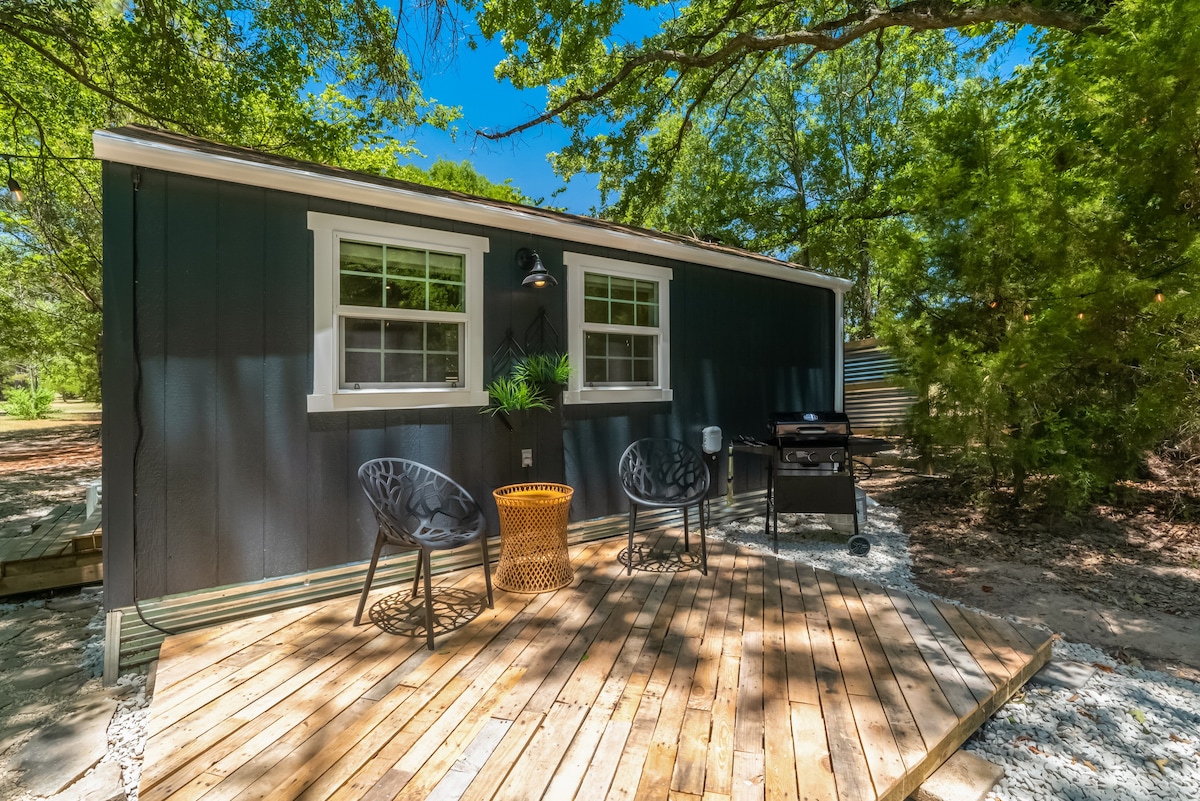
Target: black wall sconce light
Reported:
[(530, 262)]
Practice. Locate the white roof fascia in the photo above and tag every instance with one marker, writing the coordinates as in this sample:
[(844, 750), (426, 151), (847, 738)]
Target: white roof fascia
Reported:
[(124, 149)]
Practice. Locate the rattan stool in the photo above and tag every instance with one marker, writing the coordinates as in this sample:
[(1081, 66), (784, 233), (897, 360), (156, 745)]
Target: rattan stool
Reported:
[(533, 537)]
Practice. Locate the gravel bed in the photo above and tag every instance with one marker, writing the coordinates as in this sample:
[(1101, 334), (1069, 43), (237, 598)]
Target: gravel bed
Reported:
[(1127, 735), (28, 710)]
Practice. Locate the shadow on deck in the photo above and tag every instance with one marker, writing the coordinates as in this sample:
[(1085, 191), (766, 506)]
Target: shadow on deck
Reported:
[(765, 679)]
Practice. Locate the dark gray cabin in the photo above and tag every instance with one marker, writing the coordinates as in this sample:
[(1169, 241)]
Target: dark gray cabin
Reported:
[(249, 369)]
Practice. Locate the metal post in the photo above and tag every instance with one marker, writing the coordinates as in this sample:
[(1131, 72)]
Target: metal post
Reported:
[(112, 646)]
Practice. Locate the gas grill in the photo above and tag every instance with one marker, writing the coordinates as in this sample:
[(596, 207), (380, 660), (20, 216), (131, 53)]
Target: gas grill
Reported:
[(809, 469), (808, 442)]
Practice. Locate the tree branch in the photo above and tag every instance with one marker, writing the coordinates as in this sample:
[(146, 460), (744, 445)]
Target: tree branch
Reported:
[(827, 36), (83, 78)]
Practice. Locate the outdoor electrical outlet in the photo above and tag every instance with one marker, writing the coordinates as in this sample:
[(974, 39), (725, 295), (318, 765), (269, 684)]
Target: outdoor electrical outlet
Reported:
[(527, 457)]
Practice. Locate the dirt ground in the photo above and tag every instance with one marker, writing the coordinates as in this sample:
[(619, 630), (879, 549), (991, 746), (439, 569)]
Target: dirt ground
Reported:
[(45, 463), (1124, 577)]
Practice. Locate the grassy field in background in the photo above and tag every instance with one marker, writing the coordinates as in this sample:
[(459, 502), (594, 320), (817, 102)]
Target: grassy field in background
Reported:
[(69, 413)]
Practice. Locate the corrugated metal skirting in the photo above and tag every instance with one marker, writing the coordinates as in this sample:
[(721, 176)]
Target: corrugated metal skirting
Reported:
[(875, 401)]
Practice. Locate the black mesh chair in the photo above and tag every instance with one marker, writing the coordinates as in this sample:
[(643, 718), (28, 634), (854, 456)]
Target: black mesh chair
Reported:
[(665, 474), (420, 509)]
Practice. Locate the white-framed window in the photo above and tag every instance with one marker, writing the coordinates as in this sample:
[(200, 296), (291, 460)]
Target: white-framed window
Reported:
[(619, 317), (397, 316)]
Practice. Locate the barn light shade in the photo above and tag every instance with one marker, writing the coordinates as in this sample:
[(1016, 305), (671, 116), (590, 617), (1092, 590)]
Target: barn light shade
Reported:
[(529, 261)]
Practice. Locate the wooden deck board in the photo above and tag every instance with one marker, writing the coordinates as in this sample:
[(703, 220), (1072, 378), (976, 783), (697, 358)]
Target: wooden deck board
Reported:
[(764, 679), (53, 552), (900, 718)]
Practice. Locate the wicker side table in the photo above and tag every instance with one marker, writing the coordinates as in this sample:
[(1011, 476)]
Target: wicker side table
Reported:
[(533, 537)]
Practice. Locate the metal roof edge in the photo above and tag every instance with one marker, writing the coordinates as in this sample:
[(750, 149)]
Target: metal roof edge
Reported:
[(125, 148)]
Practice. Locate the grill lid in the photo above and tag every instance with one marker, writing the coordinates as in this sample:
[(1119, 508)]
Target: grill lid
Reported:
[(802, 424)]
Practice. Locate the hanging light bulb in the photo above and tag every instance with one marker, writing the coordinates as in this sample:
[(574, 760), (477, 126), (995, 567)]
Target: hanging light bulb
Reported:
[(1027, 314), (13, 187), (1158, 294), (1081, 315)]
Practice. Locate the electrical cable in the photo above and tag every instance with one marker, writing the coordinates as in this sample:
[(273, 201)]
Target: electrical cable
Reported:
[(137, 404)]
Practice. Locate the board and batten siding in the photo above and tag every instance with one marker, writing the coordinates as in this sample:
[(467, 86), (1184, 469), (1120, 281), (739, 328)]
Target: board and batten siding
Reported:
[(215, 473)]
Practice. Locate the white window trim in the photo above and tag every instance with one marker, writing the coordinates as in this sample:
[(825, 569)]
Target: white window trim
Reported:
[(579, 263), (328, 396)]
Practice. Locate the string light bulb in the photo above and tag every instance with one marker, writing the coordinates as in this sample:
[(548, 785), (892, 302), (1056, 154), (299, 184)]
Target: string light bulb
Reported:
[(1158, 295), (1027, 314), (1081, 315), (14, 188)]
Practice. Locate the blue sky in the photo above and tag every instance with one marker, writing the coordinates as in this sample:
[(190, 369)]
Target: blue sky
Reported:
[(467, 82)]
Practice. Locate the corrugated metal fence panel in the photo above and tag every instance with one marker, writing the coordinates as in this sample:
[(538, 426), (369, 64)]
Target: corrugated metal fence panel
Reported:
[(877, 409), (872, 366), (875, 402)]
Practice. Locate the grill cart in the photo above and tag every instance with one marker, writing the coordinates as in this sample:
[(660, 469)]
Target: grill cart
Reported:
[(809, 469)]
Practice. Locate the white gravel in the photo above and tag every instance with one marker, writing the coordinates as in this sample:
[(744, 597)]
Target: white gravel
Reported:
[(127, 731), (1127, 735), (24, 714)]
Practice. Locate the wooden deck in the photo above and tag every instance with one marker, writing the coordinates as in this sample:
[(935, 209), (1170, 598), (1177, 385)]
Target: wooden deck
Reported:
[(61, 549), (765, 679)]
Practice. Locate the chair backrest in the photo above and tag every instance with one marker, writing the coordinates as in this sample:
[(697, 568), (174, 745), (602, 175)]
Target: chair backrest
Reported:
[(663, 471), (417, 506)]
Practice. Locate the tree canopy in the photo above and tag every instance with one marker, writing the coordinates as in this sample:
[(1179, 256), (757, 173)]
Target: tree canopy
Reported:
[(1042, 292), (1007, 231), (816, 95), (327, 81), (704, 48)]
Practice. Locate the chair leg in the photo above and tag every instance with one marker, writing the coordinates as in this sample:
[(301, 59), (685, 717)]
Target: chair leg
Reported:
[(487, 569), (687, 546), (362, 602), (428, 600), (417, 573), (704, 512), (632, 526)]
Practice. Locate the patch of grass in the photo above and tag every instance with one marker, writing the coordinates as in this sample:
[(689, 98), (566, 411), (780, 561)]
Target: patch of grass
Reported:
[(10, 424)]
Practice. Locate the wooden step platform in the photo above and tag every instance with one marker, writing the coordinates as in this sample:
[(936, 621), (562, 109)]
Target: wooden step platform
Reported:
[(764, 679), (61, 549)]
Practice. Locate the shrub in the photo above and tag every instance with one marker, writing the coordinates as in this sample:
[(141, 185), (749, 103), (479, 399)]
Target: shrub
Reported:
[(27, 404)]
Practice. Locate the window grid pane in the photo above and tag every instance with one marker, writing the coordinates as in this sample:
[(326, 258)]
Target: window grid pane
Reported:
[(620, 358), (614, 300), (383, 276), (400, 352)]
